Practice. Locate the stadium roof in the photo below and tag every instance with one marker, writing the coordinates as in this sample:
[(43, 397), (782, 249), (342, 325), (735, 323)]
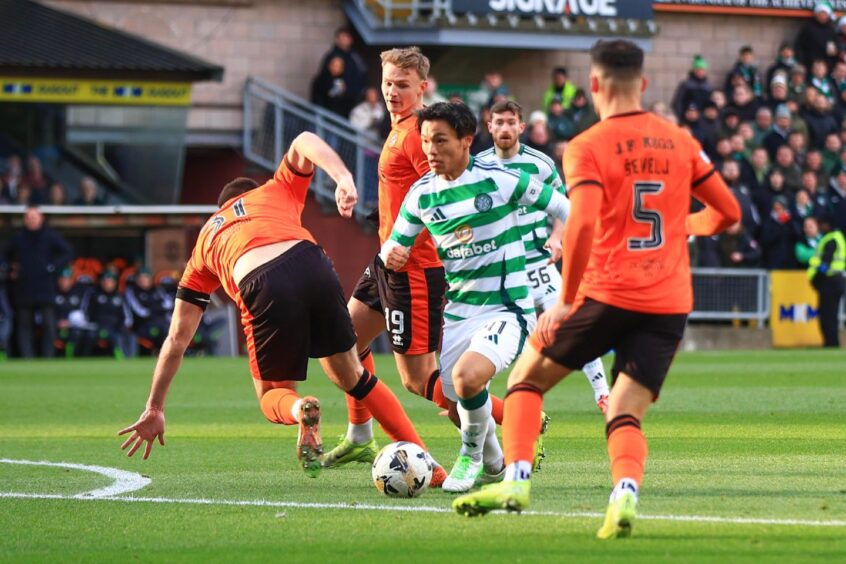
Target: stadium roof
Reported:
[(38, 40)]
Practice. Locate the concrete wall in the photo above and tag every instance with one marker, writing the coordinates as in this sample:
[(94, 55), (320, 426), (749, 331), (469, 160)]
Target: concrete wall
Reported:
[(284, 40)]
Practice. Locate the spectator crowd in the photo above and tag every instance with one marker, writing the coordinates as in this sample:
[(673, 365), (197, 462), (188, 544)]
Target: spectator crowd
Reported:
[(26, 183)]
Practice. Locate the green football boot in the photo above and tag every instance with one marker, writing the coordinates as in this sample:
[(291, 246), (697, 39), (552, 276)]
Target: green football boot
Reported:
[(347, 452), (619, 518), (509, 496), (540, 452)]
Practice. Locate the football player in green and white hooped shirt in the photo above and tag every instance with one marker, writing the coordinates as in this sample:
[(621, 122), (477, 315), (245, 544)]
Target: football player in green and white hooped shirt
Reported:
[(469, 208), (542, 248)]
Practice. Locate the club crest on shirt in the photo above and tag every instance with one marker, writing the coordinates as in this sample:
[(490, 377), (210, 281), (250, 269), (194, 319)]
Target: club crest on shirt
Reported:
[(463, 233), (483, 202), (392, 140)]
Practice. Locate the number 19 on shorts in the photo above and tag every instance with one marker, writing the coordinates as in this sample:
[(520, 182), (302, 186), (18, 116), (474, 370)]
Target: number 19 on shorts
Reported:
[(395, 323)]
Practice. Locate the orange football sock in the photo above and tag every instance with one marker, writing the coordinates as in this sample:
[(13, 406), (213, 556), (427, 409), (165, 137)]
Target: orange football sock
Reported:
[(276, 405), (497, 409), (357, 413), (520, 428), (386, 409), (627, 448), (435, 391)]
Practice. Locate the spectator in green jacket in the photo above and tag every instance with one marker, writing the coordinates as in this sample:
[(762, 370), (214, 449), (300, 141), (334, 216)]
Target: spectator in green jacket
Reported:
[(561, 87)]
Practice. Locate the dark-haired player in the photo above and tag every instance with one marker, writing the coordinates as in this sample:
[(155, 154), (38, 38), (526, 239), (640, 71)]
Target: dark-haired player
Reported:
[(626, 278), (291, 303)]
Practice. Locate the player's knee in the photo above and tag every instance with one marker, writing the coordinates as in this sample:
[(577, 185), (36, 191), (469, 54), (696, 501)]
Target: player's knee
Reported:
[(467, 383), (413, 385)]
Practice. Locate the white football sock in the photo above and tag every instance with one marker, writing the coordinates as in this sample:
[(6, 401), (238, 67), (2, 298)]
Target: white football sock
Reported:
[(474, 427), (595, 373), (296, 409), (624, 485), (518, 471), (492, 453), (360, 433)]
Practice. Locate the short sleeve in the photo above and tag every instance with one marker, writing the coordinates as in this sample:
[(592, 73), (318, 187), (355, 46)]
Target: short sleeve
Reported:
[(292, 179), (197, 277), (580, 166), (702, 166)]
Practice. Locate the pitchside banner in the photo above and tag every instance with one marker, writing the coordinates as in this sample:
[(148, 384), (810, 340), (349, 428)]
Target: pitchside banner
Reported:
[(626, 9), (745, 7), (793, 310), (82, 91)]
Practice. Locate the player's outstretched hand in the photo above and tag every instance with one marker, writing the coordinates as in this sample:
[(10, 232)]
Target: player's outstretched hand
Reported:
[(397, 257), (553, 245), (150, 425), (346, 196), (549, 321)]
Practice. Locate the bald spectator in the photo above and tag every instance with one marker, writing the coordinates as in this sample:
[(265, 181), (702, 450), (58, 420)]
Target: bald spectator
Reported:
[(817, 38), (88, 193)]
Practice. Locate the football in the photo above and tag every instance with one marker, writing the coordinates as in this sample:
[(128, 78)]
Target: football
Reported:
[(402, 469)]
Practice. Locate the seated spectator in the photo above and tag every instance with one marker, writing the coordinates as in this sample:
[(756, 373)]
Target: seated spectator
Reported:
[(11, 179), (71, 328), (785, 163), (747, 71), (730, 121), (802, 207), (36, 180), (561, 88), (817, 38), (330, 89), (722, 152), (814, 162), (806, 245), (784, 63), (88, 193), (695, 89), (581, 112), (763, 124), (796, 141), (831, 152), (150, 308), (109, 314), (820, 80), (817, 196), (749, 214), (56, 195), (368, 115), (777, 237), (778, 132), (431, 95), (778, 93), (820, 122), (743, 101), (837, 199), (760, 164), (738, 249), (796, 84), (746, 132), (774, 187)]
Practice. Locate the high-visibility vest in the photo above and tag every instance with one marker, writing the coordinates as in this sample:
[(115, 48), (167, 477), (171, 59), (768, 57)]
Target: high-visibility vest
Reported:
[(838, 261)]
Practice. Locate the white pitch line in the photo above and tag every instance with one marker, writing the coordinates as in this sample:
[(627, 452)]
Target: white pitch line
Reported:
[(122, 480), (426, 509)]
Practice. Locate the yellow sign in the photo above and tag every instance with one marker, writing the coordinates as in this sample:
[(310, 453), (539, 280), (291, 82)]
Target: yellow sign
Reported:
[(73, 91), (794, 310)]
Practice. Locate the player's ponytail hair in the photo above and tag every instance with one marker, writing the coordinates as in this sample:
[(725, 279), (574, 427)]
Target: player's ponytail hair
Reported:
[(407, 58), (235, 188)]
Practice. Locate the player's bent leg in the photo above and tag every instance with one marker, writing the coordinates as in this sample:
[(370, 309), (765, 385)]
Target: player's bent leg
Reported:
[(416, 371), (280, 403), (627, 452)]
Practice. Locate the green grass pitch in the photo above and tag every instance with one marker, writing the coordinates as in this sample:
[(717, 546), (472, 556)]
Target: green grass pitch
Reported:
[(747, 463)]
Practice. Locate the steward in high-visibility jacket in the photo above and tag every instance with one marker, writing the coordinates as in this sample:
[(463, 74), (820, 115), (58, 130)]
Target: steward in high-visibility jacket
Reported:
[(826, 272)]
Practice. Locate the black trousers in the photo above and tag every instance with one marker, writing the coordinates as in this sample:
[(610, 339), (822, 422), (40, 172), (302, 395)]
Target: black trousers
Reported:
[(830, 290), (24, 316)]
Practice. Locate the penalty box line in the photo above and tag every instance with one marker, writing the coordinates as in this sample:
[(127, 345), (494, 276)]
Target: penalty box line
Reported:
[(420, 509)]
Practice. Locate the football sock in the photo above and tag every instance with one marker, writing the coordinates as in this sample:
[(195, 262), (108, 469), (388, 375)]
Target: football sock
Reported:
[(357, 413), (386, 409), (281, 405), (518, 471), (521, 427), (474, 413), (435, 390), (627, 449), (595, 373), (492, 453), (623, 486), (497, 409)]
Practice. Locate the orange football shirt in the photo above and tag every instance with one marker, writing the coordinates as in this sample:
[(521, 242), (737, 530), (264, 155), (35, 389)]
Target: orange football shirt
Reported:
[(268, 214), (401, 164), (646, 168)]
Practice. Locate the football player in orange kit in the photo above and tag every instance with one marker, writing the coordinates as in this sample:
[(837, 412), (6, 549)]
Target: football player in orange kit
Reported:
[(627, 283), (291, 303)]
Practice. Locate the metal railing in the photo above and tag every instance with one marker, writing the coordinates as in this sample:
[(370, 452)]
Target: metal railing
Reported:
[(273, 117), (731, 293), (409, 11)]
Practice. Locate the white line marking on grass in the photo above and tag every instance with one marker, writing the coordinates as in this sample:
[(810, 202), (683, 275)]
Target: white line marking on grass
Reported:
[(123, 481), (426, 509)]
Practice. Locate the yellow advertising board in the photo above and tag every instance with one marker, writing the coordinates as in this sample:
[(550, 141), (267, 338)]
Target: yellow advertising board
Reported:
[(74, 91), (794, 310)]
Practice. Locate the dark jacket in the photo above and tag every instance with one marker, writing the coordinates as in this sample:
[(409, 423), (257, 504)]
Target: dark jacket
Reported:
[(39, 255), (691, 91), (739, 243), (811, 43), (777, 244), (819, 126), (333, 93), (107, 310)]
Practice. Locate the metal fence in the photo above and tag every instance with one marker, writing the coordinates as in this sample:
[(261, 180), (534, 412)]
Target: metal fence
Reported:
[(273, 117)]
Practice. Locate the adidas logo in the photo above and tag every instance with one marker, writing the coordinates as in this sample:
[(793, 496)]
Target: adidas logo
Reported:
[(438, 215), (550, 289), (493, 338)]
